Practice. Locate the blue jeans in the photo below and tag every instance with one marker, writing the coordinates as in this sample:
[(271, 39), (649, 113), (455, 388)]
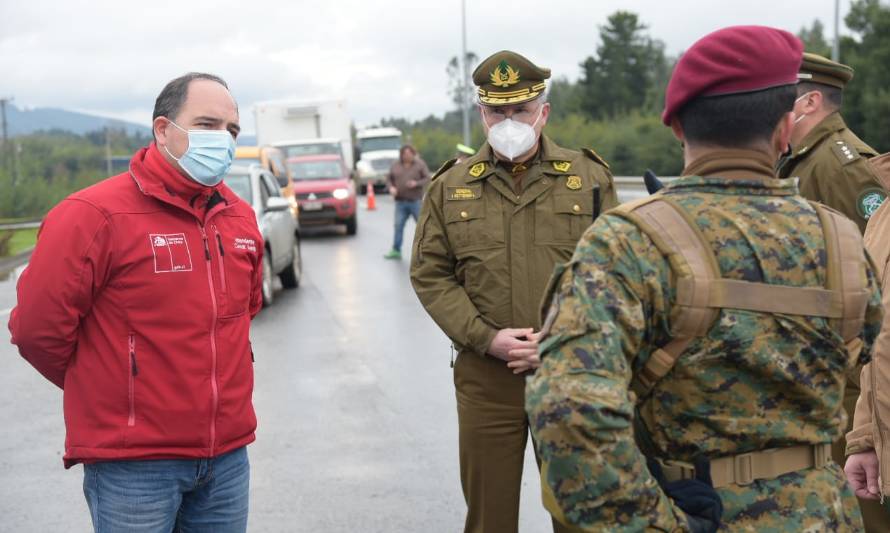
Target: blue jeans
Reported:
[(404, 209), (183, 495)]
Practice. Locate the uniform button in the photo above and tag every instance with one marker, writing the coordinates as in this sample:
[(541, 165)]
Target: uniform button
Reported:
[(464, 214), (576, 208)]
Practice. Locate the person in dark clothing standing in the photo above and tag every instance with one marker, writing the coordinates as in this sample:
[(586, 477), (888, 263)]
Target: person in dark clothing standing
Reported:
[(407, 179)]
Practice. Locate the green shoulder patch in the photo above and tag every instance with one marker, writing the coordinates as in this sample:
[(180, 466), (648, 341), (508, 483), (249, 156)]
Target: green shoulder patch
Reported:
[(844, 152), (595, 156), (869, 201), (445, 166)]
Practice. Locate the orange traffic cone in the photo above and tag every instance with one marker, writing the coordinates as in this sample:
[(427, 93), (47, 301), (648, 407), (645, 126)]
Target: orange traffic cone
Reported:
[(372, 200)]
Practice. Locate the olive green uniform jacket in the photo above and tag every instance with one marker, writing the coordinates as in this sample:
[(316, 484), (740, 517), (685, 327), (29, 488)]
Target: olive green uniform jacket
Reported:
[(483, 251), (832, 165)]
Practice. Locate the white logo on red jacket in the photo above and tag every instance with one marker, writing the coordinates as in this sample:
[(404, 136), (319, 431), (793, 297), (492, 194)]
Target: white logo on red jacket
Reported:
[(171, 252), (243, 243)]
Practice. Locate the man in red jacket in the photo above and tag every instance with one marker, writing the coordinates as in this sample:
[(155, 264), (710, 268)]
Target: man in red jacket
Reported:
[(137, 303)]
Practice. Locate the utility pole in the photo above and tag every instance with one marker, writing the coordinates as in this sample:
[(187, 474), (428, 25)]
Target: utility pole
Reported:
[(107, 152), (3, 102), (836, 48), (464, 89), (4, 148)]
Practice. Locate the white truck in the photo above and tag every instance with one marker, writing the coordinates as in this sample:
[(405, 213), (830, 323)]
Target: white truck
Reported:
[(378, 149), (301, 127)]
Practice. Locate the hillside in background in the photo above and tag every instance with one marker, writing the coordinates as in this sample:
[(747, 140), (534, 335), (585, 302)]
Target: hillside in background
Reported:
[(28, 121)]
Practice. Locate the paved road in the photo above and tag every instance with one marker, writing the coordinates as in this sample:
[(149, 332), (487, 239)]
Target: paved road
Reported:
[(354, 395)]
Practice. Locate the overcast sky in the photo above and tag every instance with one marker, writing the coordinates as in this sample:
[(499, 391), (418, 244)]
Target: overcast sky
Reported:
[(385, 57)]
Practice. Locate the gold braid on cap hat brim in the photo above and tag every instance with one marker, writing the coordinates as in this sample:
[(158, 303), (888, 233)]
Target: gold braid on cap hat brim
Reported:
[(511, 97)]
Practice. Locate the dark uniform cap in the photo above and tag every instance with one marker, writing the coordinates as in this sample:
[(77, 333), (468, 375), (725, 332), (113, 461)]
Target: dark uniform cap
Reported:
[(738, 59), (818, 69), (507, 78)]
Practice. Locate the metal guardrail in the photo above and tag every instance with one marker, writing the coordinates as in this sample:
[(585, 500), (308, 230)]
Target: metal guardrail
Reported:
[(28, 224), (631, 188)]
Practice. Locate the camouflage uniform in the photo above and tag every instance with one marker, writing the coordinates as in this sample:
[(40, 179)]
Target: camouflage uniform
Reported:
[(756, 381)]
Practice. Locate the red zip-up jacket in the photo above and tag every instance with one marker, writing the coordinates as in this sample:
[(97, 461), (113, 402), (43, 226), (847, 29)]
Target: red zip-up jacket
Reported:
[(137, 302)]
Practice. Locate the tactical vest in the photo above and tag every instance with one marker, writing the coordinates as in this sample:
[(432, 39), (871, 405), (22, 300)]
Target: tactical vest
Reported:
[(702, 292)]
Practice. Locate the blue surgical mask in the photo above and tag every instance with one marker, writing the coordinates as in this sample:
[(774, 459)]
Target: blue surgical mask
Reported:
[(208, 157)]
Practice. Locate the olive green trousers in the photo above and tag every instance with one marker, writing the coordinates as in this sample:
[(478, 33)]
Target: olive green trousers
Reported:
[(493, 434)]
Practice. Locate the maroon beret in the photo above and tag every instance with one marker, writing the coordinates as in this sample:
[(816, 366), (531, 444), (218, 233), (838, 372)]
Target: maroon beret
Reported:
[(738, 59)]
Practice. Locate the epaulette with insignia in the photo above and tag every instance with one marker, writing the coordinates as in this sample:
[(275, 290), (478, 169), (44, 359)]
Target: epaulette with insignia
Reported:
[(844, 152), (445, 166), (595, 156)]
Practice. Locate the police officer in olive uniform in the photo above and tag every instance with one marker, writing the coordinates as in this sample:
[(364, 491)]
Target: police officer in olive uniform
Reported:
[(830, 160), (492, 228), (832, 165)]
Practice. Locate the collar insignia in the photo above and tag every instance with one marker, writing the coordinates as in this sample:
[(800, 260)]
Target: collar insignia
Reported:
[(477, 170), (561, 166)]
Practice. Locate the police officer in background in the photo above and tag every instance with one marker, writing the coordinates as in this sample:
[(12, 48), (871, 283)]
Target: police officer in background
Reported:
[(829, 159), (491, 230), (693, 358), (831, 163)]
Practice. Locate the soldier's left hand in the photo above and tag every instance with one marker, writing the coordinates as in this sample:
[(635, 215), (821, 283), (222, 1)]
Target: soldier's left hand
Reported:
[(525, 359)]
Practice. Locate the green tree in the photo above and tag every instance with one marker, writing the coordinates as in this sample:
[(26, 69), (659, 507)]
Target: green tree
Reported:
[(627, 66), (565, 98), (53, 164), (814, 39), (867, 96)]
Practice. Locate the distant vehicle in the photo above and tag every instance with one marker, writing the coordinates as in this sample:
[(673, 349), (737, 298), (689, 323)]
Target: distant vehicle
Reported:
[(291, 122), (325, 191), (299, 148), (273, 160), (378, 149), (281, 232)]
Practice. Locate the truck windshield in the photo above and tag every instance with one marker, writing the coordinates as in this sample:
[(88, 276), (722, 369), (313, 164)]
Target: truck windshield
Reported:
[(297, 150), (316, 170), (373, 144)]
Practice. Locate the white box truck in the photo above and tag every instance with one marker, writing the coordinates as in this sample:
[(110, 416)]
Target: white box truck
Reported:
[(378, 149), (301, 127)]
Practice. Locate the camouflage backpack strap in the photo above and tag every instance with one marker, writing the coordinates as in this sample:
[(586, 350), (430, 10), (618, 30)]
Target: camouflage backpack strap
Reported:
[(702, 292), (696, 269), (846, 267)]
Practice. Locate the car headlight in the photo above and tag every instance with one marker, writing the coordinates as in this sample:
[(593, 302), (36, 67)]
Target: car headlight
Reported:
[(341, 194)]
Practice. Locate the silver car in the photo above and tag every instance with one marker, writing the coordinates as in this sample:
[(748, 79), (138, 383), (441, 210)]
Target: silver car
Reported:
[(281, 232)]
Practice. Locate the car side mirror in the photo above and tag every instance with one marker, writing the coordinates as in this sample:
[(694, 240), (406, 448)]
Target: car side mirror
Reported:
[(277, 203)]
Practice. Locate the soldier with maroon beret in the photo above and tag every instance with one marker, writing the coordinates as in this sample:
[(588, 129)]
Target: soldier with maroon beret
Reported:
[(692, 361)]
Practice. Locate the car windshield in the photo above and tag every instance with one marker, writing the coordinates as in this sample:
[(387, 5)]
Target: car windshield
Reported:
[(240, 185), (297, 150), (372, 144), (316, 170)]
